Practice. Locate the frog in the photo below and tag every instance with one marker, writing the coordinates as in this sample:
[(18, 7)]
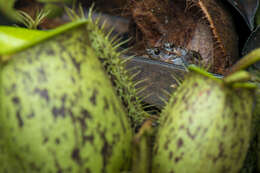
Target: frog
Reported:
[(174, 54)]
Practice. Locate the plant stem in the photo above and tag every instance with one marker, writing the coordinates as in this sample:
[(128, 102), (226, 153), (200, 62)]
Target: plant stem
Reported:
[(246, 61)]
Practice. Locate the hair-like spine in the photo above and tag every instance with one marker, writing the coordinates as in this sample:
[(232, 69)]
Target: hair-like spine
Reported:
[(106, 49)]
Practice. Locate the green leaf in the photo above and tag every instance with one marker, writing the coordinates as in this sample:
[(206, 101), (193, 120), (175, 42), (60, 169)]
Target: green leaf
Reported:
[(14, 39)]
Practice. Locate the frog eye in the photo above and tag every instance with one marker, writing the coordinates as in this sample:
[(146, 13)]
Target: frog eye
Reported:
[(196, 55), (156, 51)]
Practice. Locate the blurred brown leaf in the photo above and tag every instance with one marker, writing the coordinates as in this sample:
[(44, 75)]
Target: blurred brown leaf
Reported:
[(205, 26)]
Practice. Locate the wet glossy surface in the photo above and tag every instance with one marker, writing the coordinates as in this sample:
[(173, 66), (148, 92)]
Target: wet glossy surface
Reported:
[(174, 54)]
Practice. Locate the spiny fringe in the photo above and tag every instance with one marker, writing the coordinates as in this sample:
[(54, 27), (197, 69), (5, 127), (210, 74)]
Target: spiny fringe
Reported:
[(132, 76), (139, 82), (125, 50), (121, 43), (176, 79), (145, 97), (163, 100), (141, 89), (149, 106), (106, 49), (126, 59)]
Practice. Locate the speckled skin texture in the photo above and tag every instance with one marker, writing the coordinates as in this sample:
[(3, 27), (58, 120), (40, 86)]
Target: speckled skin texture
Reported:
[(205, 128), (59, 112)]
